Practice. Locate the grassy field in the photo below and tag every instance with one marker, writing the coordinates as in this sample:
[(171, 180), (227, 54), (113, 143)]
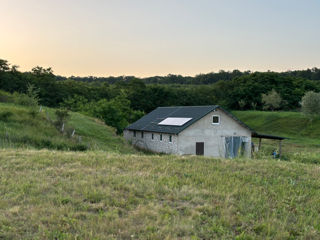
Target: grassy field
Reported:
[(20, 129), (111, 191), (97, 195)]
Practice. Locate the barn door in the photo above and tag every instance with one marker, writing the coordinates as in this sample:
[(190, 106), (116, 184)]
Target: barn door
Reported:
[(200, 148)]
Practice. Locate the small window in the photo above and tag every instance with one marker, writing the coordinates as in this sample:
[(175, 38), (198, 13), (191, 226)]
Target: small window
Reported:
[(170, 138), (152, 136), (134, 133), (160, 137), (216, 119), (141, 134)]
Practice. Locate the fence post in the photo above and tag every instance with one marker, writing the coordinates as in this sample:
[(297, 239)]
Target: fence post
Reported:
[(280, 148)]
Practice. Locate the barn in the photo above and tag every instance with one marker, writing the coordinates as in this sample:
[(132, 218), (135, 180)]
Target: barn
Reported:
[(196, 130)]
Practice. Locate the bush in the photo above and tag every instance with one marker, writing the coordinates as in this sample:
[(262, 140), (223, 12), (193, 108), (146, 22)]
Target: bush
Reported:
[(33, 112), (4, 116), (310, 104), (272, 100), (116, 112), (5, 96), (76, 103), (22, 99), (30, 98), (62, 117)]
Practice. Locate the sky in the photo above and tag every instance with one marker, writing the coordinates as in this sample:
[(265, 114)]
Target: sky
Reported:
[(159, 37)]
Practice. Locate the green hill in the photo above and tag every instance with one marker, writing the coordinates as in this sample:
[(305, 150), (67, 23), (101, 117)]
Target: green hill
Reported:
[(293, 125), (48, 194), (19, 128)]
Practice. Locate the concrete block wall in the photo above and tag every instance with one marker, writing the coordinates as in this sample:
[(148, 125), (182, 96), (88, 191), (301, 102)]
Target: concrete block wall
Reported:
[(213, 135), (154, 145)]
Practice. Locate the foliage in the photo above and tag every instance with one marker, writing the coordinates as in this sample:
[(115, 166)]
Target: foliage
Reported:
[(242, 104), (76, 103), (116, 112), (30, 98), (4, 65), (272, 100), (310, 104), (232, 90), (4, 116), (62, 115), (33, 94), (5, 96)]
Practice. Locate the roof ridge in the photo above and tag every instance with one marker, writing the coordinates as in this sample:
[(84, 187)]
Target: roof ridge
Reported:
[(190, 106)]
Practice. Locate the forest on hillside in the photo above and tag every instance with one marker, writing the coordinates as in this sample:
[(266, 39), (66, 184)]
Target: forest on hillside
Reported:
[(121, 100)]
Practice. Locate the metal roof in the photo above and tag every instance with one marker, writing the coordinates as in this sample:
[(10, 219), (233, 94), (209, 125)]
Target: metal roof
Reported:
[(257, 135), (150, 122)]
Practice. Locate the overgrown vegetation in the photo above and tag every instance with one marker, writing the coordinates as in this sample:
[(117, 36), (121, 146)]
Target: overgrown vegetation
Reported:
[(272, 100), (20, 129), (121, 100), (110, 194), (93, 195), (311, 104)]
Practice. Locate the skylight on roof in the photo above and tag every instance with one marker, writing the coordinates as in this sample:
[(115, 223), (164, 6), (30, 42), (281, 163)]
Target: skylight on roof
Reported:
[(174, 121)]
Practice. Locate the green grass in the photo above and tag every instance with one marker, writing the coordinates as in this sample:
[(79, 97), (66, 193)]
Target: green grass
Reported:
[(19, 129), (115, 193), (294, 125), (95, 195), (303, 144)]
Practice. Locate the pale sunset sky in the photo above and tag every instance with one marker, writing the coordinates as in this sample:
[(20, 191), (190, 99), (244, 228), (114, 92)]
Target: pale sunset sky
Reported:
[(158, 37)]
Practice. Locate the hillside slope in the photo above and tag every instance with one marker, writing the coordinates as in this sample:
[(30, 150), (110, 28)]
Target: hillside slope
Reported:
[(92, 195), (19, 128), (293, 125)]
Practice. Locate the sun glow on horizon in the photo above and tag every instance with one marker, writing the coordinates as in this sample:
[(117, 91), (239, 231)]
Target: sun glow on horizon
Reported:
[(150, 38)]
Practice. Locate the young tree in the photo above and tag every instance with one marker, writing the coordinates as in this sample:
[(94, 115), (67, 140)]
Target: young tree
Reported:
[(62, 117), (30, 98), (33, 94), (272, 100), (116, 112), (310, 104)]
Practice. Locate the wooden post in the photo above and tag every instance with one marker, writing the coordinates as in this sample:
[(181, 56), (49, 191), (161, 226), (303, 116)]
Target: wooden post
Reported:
[(280, 145), (259, 144)]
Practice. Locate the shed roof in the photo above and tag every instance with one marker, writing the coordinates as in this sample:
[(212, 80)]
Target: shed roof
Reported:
[(150, 121), (266, 136)]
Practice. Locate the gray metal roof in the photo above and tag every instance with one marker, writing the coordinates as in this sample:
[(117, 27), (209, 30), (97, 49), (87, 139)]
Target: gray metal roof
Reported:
[(150, 121)]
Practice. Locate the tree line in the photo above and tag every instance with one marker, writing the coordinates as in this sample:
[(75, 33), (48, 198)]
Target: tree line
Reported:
[(200, 79), (121, 100)]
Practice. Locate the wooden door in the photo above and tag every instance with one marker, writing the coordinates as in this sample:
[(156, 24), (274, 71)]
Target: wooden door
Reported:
[(200, 148)]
